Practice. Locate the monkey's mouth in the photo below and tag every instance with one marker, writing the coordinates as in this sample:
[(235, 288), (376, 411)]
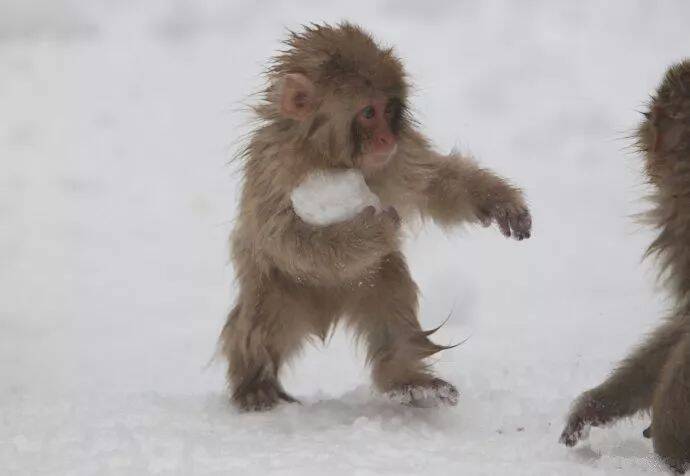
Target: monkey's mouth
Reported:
[(377, 161)]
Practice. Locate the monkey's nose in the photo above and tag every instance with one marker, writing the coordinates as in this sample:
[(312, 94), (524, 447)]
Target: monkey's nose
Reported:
[(385, 139)]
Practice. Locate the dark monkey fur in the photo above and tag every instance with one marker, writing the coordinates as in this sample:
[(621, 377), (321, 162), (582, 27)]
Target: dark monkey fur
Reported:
[(657, 375), (296, 280)]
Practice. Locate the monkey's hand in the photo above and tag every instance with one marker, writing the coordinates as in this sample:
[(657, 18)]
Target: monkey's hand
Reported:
[(507, 208), (587, 411), (378, 231)]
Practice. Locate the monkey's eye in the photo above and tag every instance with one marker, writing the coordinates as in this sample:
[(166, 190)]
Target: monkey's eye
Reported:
[(368, 112), (393, 107)]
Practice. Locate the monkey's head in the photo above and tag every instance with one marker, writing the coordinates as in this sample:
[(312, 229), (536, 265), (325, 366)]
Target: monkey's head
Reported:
[(664, 135), (341, 95)]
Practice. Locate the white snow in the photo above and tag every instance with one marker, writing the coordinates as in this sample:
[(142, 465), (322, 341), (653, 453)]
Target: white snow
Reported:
[(330, 196), (117, 122)]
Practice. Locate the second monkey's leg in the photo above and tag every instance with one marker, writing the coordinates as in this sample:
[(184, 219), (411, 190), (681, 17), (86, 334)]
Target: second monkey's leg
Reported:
[(384, 314), (671, 409)]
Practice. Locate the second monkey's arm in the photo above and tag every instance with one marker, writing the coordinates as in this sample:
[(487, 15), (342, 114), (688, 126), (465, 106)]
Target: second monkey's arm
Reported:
[(630, 388)]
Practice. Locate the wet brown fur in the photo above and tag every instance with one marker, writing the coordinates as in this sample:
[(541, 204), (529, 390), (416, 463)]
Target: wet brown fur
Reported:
[(296, 280), (656, 376)]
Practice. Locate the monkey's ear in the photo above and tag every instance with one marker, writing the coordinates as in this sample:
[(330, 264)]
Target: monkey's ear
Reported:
[(297, 96)]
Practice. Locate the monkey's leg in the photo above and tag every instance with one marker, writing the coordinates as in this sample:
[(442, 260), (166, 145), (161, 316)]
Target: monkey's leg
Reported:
[(261, 333), (385, 316), (671, 409), (629, 389)]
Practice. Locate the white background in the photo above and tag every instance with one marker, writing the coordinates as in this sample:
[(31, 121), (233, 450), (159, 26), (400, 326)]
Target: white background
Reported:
[(118, 121)]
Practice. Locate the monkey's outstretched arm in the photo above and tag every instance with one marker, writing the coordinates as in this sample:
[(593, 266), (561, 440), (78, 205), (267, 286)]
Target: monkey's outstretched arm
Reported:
[(333, 252), (458, 190), (631, 386)]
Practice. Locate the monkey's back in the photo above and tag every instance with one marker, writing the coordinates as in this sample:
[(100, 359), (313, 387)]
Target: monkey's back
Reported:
[(664, 138)]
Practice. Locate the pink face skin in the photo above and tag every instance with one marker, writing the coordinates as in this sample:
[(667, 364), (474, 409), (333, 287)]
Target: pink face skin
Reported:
[(380, 144)]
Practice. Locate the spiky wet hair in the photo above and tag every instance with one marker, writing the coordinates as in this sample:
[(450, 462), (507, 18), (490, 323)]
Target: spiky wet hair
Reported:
[(341, 58), (674, 91)]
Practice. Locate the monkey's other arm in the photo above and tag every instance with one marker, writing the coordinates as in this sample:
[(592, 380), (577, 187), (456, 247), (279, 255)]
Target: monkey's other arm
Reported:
[(629, 389), (335, 252)]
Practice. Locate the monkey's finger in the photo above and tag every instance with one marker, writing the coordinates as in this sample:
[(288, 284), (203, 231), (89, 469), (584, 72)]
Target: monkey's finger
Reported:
[(522, 225), (569, 437), (392, 213), (367, 212), (484, 219), (525, 223), (503, 223), (515, 226)]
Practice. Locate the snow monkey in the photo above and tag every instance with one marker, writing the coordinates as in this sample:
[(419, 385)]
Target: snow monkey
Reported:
[(336, 100), (657, 375)]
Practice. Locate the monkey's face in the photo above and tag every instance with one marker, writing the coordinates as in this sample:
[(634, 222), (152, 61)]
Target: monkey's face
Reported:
[(351, 126), (346, 93), (665, 133), (374, 132)]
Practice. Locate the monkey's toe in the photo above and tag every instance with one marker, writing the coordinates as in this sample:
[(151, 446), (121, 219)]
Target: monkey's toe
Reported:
[(258, 401), (677, 465), (262, 396), (673, 447)]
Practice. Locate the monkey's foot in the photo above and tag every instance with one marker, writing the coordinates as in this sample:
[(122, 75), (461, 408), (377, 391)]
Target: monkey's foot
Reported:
[(261, 396), (434, 393), (588, 412), (678, 464), (673, 448)]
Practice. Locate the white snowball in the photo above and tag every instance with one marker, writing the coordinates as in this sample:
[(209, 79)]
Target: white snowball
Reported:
[(326, 197)]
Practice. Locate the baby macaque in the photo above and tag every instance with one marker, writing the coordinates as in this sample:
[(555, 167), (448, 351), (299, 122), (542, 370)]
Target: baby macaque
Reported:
[(657, 375), (334, 118)]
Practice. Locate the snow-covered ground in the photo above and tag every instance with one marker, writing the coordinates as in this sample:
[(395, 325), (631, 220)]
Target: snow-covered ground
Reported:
[(117, 123)]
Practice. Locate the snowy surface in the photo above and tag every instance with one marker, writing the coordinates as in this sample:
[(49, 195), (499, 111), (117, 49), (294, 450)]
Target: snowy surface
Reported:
[(325, 197), (117, 123)]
